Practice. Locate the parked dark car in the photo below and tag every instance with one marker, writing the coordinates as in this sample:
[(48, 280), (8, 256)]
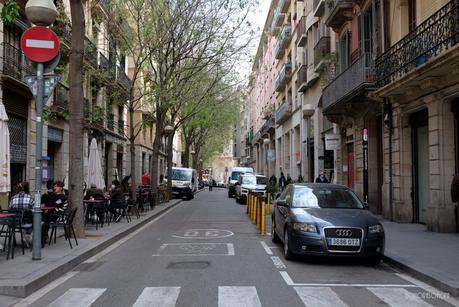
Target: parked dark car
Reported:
[(325, 220)]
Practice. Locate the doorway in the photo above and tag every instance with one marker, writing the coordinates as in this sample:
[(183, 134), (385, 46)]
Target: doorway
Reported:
[(350, 165), (455, 110), (421, 170)]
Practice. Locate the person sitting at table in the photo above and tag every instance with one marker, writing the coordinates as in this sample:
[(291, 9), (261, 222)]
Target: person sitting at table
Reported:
[(58, 199), (95, 193), (117, 200), (22, 199), (49, 191)]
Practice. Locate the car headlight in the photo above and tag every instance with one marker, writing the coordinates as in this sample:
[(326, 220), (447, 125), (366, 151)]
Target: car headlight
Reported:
[(375, 229), (304, 227)]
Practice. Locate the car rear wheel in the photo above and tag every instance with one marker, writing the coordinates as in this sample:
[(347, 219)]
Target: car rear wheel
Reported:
[(288, 255), (274, 237)]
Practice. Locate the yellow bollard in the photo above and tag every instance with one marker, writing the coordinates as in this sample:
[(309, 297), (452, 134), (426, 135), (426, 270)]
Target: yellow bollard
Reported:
[(253, 209), (259, 212), (263, 219)]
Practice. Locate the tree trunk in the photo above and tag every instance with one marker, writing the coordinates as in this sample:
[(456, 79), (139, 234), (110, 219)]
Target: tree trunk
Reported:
[(76, 107), (186, 155), (170, 144), (132, 151), (155, 159)]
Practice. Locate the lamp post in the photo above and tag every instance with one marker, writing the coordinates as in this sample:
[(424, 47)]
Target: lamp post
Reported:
[(266, 142), (43, 13)]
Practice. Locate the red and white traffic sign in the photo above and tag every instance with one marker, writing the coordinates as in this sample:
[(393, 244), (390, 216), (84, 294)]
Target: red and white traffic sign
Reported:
[(40, 44)]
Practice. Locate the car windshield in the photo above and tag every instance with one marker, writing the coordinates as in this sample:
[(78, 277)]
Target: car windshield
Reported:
[(325, 197), (262, 180), (181, 174), (235, 175), (249, 180)]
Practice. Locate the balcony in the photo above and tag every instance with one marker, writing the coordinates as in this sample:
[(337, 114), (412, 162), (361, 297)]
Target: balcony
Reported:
[(351, 83), (64, 32), (283, 41), (318, 7), (302, 79), (285, 74), (121, 127), (283, 112), (284, 5), (337, 12), (301, 33), (90, 52), (15, 64), (111, 122), (321, 51), (61, 98), (430, 39), (278, 18), (122, 78), (269, 126)]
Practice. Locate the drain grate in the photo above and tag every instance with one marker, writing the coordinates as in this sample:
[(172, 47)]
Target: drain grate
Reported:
[(199, 265)]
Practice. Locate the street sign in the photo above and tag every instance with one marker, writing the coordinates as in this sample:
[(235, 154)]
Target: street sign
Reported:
[(50, 84), (40, 44)]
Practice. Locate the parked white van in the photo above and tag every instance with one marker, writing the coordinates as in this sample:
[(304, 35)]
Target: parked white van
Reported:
[(184, 182), (235, 172)]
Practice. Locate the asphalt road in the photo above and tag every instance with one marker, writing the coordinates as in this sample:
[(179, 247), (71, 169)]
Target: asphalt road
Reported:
[(206, 252)]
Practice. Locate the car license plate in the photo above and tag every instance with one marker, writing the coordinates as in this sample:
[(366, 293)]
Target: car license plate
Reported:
[(343, 241)]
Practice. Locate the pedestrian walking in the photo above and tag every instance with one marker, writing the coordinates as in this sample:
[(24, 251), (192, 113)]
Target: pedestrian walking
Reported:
[(455, 198), (282, 181), (300, 178), (211, 183), (289, 180), (322, 178)]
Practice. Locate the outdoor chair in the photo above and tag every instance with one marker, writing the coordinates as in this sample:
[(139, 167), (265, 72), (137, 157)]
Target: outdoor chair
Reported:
[(64, 220), (23, 223), (7, 232)]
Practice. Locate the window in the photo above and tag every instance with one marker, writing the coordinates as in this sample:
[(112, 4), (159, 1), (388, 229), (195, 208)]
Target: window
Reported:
[(344, 51)]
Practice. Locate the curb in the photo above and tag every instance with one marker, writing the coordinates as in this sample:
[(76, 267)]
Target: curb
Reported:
[(33, 284), (423, 277)]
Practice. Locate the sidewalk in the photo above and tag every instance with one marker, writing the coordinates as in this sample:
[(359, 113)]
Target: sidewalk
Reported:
[(22, 276), (429, 256)]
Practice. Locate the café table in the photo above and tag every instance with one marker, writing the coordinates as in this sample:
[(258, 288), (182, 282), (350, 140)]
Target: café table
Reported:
[(10, 219)]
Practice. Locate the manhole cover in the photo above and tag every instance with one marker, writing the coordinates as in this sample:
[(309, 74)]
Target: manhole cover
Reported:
[(188, 265)]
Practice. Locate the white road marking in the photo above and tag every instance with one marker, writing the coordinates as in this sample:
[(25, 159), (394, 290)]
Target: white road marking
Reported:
[(266, 248), (205, 234), (278, 262), (78, 297), (128, 237), (238, 296), (158, 297), (43, 291), (399, 297), (196, 249), (319, 297), (230, 249), (38, 43), (430, 291), (288, 280)]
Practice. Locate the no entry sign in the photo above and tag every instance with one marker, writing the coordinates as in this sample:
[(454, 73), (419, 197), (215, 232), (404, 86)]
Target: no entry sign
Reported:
[(40, 44)]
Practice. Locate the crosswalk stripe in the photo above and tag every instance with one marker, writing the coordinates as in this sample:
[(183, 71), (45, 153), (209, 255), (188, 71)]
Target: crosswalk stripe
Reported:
[(399, 297), (158, 297), (78, 297), (238, 296), (319, 296)]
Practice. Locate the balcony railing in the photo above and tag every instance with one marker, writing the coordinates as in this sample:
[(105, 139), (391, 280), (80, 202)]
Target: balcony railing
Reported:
[(321, 50), (15, 65), (284, 76), (111, 122), (122, 78), (61, 97), (90, 52), (302, 79), (284, 5), (278, 18), (358, 77), (283, 112), (283, 41), (301, 33), (336, 12), (318, 7), (437, 34), (64, 32), (121, 127)]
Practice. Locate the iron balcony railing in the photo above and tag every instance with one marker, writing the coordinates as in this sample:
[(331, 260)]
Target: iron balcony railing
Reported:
[(318, 7), (64, 32), (121, 127), (111, 122), (335, 15), (61, 97), (283, 112), (435, 35), (302, 79), (357, 77), (90, 52), (321, 49), (122, 78), (278, 18), (301, 33), (284, 38), (15, 64), (103, 62), (284, 76)]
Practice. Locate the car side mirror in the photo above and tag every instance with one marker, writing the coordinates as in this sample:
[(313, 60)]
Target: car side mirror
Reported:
[(281, 203)]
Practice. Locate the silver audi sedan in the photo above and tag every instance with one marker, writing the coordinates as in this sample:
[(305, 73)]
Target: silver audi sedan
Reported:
[(325, 220)]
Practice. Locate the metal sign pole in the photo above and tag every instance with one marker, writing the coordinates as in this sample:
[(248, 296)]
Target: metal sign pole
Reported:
[(37, 213)]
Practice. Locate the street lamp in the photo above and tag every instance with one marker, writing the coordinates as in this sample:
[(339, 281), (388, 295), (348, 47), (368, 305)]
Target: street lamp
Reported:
[(43, 13)]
